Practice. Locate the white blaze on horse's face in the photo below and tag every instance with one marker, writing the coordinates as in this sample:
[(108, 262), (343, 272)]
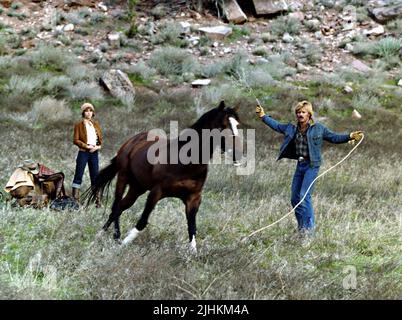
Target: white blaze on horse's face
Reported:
[(233, 125)]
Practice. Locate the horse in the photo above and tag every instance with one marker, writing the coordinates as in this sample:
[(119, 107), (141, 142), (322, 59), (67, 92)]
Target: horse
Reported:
[(178, 179)]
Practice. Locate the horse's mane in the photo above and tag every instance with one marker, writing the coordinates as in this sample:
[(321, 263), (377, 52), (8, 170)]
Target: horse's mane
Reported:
[(204, 121)]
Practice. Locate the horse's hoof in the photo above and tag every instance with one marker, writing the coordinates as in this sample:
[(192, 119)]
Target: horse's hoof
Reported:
[(131, 236)]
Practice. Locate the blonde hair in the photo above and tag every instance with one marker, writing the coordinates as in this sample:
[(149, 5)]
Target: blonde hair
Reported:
[(307, 106)]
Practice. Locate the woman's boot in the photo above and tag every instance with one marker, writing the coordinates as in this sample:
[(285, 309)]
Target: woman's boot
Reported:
[(76, 194)]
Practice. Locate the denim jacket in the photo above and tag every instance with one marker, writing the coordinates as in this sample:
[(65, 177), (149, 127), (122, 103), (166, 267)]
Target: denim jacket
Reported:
[(316, 133)]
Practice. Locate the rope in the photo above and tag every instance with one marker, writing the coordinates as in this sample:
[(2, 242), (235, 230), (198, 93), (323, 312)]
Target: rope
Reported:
[(294, 208)]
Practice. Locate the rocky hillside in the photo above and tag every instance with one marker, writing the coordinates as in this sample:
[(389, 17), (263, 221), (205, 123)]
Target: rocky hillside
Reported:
[(314, 37)]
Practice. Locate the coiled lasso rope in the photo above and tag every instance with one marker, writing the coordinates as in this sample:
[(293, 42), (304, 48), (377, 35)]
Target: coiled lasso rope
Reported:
[(311, 184)]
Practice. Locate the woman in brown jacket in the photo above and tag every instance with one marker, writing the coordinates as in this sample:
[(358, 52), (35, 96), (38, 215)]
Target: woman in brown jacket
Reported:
[(88, 138)]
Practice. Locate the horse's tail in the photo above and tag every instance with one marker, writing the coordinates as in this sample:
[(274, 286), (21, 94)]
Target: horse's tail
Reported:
[(102, 182)]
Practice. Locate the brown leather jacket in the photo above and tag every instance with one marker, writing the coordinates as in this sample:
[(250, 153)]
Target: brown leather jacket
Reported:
[(80, 135)]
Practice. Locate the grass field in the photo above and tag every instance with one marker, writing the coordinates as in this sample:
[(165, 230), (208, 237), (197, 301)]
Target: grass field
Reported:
[(54, 255)]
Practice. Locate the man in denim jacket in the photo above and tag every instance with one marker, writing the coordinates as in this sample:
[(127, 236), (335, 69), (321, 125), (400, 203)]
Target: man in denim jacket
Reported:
[(303, 143)]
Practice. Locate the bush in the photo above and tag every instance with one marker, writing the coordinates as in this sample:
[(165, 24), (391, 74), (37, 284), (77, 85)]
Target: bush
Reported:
[(364, 101), (235, 65), (20, 85), (140, 72), (49, 58), (312, 53), (85, 91), (256, 78), (285, 24), (260, 51), (387, 47), (169, 34), (395, 26), (49, 110), (170, 61), (59, 86)]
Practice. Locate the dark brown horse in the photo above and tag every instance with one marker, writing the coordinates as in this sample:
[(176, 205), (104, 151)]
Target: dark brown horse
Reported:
[(181, 179)]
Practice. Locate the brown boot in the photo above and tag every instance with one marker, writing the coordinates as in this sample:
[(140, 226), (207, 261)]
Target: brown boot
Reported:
[(76, 194)]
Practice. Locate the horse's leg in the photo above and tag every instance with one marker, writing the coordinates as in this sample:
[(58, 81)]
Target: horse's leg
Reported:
[(128, 200), (119, 192), (192, 204), (154, 196)]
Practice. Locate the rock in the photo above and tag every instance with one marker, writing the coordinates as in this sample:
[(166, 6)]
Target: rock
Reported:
[(356, 114), (227, 50), (185, 27), (102, 6), (194, 40), (360, 66), (216, 33), (68, 27), (270, 6), (117, 83), (318, 35), (400, 83), (384, 14), (287, 38), (301, 67), (349, 47), (347, 89), (298, 15), (233, 12), (114, 40), (375, 31), (201, 82), (292, 62)]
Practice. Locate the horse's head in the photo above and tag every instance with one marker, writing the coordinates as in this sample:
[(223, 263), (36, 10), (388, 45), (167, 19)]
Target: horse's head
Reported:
[(227, 120)]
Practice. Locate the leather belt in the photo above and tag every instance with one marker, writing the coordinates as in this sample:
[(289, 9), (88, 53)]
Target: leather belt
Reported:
[(302, 159)]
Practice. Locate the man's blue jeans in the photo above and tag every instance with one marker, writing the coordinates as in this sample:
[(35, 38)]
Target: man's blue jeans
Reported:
[(83, 158), (303, 177)]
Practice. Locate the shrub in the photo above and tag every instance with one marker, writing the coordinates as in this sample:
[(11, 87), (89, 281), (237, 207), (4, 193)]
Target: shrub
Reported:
[(395, 26), (256, 78), (85, 91), (234, 66), (20, 85), (59, 86), (285, 24), (312, 53), (169, 34), (387, 47), (277, 68), (140, 72), (364, 101), (50, 110), (52, 59), (260, 51), (170, 61), (212, 70)]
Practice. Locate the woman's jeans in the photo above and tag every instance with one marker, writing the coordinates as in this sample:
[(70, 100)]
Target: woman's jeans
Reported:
[(83, 158), (303, 177)]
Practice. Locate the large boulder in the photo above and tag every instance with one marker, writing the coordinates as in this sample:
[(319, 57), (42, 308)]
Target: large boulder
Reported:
[(216, 33), (233, 12), (270, 6), (117, 83), (386, 13)]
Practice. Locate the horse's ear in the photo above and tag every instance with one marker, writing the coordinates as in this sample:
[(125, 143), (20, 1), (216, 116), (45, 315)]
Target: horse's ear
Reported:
[(221, 106)]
